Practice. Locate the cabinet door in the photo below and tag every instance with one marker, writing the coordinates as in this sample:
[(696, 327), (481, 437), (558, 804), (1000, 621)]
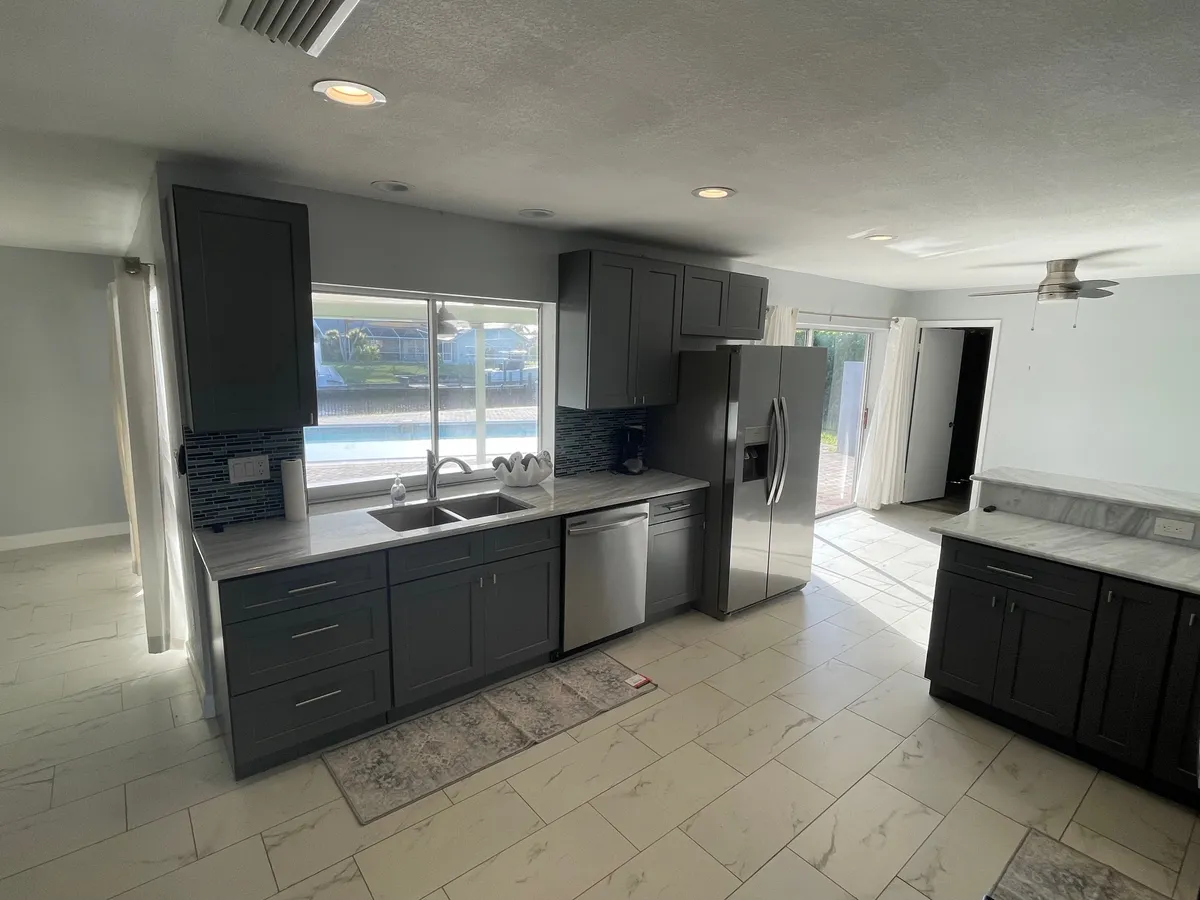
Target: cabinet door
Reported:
[(1126, 668), (521, 610), (1178, 740), (674, 561), (245, 292), (437, 634), (964, 639), (705, 297), (611, 361), (1043, 650), (747, 316), (658, 296)]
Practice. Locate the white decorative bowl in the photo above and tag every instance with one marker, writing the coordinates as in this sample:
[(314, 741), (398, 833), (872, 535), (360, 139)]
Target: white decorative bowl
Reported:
[(520, 476)]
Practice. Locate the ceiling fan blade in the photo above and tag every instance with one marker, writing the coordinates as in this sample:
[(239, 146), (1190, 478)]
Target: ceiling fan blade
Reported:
[(1091, 293), (1115, 251), (1002, 293), (1099, 283)]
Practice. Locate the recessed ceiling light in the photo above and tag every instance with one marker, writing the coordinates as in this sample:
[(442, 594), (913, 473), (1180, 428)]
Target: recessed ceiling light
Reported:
[(537, 213), (391, 187), (881, 237), (714, 192), (350, 93)]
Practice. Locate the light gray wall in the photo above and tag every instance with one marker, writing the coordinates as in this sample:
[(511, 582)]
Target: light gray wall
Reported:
[(1113, 398), (58, 449)]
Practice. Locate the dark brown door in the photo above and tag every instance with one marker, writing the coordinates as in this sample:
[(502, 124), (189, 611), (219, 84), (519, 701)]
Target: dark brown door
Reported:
[(964, 640), (747, 316), (1126, 668), (658, 299), (1175, 747), (705, 297), (245, 292), (611, 360), (1043, 651)]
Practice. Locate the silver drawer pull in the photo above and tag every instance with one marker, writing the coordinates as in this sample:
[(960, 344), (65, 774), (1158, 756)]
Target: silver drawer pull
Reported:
[(316, 631), (1009, 572), (1191, 620), (675, 507), (322, 697), (312, 587)]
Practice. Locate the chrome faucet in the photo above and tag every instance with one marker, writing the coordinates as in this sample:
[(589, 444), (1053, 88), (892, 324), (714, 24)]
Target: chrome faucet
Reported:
[(433, 465)]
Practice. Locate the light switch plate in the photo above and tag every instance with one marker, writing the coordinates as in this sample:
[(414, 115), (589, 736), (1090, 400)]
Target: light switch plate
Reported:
[(249, 468), (1173, 528)]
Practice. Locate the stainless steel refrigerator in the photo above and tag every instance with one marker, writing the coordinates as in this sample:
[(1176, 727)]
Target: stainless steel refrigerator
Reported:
[(748, 421)]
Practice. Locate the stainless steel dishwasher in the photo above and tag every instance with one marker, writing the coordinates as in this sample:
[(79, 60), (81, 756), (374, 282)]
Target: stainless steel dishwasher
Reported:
[(604, 588)]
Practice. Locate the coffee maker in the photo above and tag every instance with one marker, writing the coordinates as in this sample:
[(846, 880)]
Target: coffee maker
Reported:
[(632, 445)]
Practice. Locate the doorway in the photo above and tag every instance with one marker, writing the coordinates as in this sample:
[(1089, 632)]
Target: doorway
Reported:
[(954, 366), (842, 411)]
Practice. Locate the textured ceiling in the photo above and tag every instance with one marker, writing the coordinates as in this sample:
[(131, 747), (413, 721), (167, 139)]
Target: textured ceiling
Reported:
[(981, 130)]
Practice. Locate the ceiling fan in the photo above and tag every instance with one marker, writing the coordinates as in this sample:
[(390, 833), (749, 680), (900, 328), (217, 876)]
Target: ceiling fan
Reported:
[(1061, 283)]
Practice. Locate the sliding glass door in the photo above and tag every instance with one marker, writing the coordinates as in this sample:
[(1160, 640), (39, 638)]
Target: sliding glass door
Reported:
[(842, 415)]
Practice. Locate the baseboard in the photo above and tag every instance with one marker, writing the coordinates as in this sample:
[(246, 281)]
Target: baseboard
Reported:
[(61, 536)]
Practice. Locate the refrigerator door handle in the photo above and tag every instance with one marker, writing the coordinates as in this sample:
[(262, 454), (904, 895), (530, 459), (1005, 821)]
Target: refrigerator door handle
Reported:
[(787, 448), (775, 451)]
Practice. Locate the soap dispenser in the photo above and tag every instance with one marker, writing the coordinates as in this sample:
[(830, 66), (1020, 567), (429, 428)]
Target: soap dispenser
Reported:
[(398, 491)]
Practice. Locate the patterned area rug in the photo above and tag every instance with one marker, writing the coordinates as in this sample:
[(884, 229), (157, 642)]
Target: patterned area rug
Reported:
[(398, 766), (1044, 869)]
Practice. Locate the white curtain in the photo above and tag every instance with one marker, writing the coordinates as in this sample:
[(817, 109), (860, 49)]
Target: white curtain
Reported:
[(781, 327), (121, 416), (881, 475), (132, 329)]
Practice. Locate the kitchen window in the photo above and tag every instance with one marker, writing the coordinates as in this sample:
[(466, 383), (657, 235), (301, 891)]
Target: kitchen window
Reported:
[(398, 375)]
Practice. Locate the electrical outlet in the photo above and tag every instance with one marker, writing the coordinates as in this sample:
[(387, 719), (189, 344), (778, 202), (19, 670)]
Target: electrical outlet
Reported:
[(249, 468), (1173, 528)]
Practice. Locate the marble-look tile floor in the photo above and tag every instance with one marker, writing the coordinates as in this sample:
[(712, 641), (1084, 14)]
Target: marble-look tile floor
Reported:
[(792, 751)]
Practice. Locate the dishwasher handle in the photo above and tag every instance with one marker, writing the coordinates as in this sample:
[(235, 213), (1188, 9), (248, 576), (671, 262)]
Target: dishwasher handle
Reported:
[(608, 526)]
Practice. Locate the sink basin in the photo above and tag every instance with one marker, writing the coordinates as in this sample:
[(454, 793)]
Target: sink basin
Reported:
[(406, 518), (482, 505)]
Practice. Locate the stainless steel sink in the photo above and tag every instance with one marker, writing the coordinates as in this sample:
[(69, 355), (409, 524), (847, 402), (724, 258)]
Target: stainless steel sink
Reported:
[(406, 518), (481, 505)]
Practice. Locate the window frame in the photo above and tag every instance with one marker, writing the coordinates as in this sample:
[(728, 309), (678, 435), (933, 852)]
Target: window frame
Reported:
[(367, 487)]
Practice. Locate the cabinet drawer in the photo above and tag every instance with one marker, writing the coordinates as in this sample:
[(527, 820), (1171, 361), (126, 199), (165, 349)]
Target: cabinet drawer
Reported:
[(434, 557), (677, 506), (272, 649), (1041, 577), (275, 592), (517, 540), (279, 717)]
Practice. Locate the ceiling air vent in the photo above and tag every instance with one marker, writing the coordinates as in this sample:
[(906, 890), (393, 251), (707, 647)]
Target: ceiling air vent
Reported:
[(307, 24)]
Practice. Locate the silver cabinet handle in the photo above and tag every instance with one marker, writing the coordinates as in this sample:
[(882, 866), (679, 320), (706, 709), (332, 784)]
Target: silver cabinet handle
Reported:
[(315, 699), (312, 587), (481, 581), (315, 631), (993, 603), (493, 578), (675, 507), (1012, 607), (1009, 572), (1108, 599), (787, 448), (1191, 620), (593, 529)]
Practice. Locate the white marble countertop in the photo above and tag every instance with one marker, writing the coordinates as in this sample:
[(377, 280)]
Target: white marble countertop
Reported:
[(256, 547), (1161, 499), (1134, 558)]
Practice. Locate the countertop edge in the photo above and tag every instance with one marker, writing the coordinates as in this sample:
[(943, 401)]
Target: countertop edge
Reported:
[(418, 536), (985, 477), (1148, 576)]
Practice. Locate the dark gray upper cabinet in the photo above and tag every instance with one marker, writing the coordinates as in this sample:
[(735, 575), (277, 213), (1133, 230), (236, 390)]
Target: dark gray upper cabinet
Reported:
[(244, 290), (617, 320), (705, 301), (747, 308), (1175, 746), (964, 637), (1043, 651), (522, 603), (1126, 669)]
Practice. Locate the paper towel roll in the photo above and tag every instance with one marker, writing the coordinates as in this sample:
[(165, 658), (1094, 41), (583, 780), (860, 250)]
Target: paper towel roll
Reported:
[(295, 495)]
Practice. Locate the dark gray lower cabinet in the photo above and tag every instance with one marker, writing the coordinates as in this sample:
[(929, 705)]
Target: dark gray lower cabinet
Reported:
[(1126, 669), (964, 641), (1043, 651), (437, 634), (1175, 747), (521, 609), (674, 563)]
